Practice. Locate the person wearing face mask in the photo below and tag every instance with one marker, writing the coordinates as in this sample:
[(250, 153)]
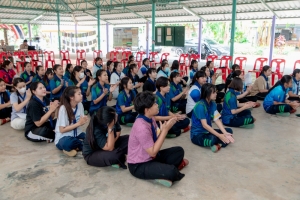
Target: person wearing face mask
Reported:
[(79, 79), (19, 101), (163, 70)]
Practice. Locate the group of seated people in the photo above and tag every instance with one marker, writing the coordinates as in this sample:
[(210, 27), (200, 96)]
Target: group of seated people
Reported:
[(53, 105)]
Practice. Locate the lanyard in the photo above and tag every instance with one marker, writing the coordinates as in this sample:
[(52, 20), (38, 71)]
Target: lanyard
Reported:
[(74, 121), (46, 109), (23, 98)]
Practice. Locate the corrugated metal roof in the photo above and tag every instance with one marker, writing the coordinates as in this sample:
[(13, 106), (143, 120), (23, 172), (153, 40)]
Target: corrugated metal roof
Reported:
[(135, 11)]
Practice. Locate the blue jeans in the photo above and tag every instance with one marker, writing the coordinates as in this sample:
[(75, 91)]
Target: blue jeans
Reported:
[(69, 143)]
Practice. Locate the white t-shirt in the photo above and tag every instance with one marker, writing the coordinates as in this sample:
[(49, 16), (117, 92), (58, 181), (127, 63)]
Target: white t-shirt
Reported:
[(190, 101), (63, 121), (114, 78)]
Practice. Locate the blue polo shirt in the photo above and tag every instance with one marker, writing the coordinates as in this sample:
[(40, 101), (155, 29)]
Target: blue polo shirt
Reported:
[(67, 75), (96, 91), (143, 71), (174, 90), (296, 87), (163, 104), (54, 83), (83, 87), (230, 103), (37, 78), (203, 110), (196, 94), (192, 73), (26, 77), (278, 94), (124, 100)]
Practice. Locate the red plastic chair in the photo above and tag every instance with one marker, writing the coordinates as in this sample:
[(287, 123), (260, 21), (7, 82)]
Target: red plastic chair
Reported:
[(152, 57), (35, 61), (3, 57), (139, 57), (261, 62), (80, 55), (279, 69), (125, 57), (295, 65), (194, 57), (211, 58), (49, 57), (240, 61), (225, 69), (65, 57), (97, 53), (113, 56), (21, 56), (164, 56), (184, 63)]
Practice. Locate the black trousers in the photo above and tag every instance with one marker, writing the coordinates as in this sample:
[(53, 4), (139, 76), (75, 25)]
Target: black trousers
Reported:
[(178, 105), (5, 113), (261, 95), (128, 117), (45, 131), (241, 119), (281, 108), (102, 158), (86, 105), (163, 166), (294, 99), (178, 126), (247, 99)]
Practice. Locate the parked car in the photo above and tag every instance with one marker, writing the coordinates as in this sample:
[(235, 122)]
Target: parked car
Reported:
[(219, 49)]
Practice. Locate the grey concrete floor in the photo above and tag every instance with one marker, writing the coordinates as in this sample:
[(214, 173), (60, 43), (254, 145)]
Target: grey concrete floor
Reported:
[(263, 163)]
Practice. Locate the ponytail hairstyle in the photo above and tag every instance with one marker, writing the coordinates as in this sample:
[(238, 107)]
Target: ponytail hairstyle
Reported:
[(175, 65), (55, 67), (198, 75), (48, 71), (104, 116), (68, 67), (163, 65), (192, 64), (15, 84), (282, 81), (37, 69), (296, 71), (264, 69), (144, 61), (206, 90), (115, 66), (5, 63), (77, 68), (65, 100), (99, 73), (6, 98), (173, 75), (130, 69), (150, 71)]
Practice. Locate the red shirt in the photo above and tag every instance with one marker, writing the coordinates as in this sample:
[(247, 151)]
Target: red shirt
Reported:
[(7, 76)]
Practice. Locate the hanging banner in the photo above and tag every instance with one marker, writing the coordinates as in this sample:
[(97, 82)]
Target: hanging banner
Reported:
[(85, 41)]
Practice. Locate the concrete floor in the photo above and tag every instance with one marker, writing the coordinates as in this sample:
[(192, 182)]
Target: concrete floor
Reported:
[(262, 164)]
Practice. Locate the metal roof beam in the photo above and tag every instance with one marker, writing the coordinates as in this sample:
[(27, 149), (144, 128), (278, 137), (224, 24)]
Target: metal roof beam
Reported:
[(65, 5), (94, 16), (192, 12), (141, 16), (268, 7)]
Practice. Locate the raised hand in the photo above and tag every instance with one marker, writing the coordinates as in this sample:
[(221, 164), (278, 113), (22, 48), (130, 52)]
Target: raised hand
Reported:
[(91, 82), (28, 94)]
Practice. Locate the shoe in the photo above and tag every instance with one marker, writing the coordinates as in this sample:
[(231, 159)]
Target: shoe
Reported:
[(71, 153), (285, 114), (164, 182), (248, 126), (293, 111), (183, 164), (215, 148), (171, 136), (186, 129), (256, 105), (117, 166)]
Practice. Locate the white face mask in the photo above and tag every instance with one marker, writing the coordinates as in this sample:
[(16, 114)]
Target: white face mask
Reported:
[(81, 75), (22, 90)]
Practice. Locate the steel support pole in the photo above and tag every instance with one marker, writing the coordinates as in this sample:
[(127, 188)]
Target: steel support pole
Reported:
[(107, 37), (232, 30), (29, 32), (98, 24), (76, 33), (153, 25), (58, 32), (147, 39), (200, 38), (272, 39)]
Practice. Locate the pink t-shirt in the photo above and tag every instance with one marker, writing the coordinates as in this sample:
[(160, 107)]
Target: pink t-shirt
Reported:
[(140, 139)]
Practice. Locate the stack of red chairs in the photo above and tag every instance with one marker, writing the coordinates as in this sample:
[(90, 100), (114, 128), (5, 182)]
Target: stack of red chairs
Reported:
[(279, 68), (240, 61), (183, 65), (21, 59), (164, 56), (113, 56), (152, 57), (125, 57), (35, 60), (80, 55), (49, 57), (225, 68), (65, 57), (139, 57), (257, 70), (96, 53)]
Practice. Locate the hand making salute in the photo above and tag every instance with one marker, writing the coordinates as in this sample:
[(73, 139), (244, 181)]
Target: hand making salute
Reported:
[(295, 89), (124, 104), (79, 79), (132, 74), (150, 83), (103, 146), (68, 134), (27, 75), (58, 83), (177, 94), (145, 158), (19, 101), (101, 91), (40, 118), (5, 109), (204, 112), (164, 103), (276, 101), (236, 114)]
